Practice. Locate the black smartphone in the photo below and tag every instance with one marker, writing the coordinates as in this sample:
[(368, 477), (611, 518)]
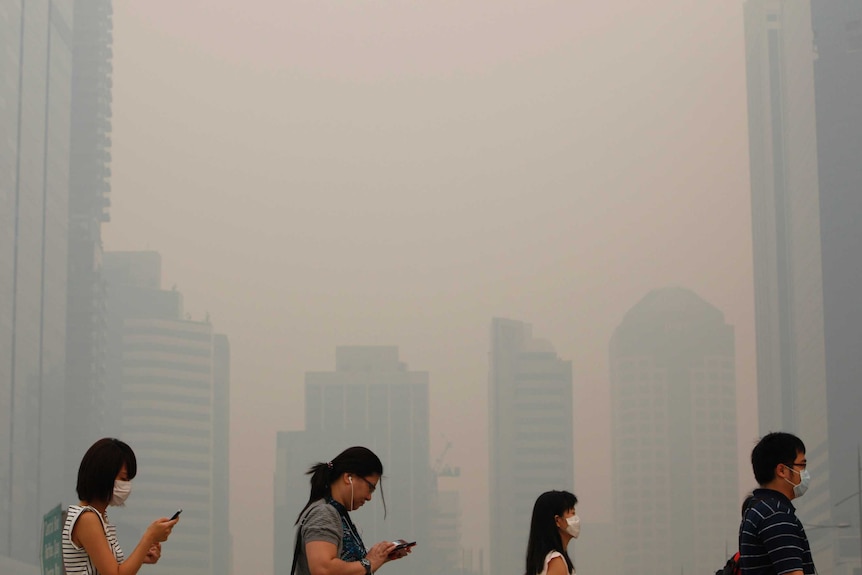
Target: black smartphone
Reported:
[(177, 514), (401, 544)]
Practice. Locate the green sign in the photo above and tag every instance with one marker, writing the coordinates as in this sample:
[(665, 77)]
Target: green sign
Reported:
[(52, 542)]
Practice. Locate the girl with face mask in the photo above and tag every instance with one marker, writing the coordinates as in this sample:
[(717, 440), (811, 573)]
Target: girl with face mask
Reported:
[(553, 525), (89, 541)]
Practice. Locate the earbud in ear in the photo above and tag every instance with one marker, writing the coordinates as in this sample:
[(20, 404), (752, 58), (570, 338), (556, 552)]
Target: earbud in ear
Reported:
[(350, 479)]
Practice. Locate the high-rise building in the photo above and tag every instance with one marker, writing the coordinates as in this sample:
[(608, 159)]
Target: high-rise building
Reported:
[(785, 209), (292, 460), (804, 62), (171, 376), (597, 549), (89, 186), (371, 399), (837, 26), (530, 434), (673, 404), (35, 116), (222, 562), (445, 532)]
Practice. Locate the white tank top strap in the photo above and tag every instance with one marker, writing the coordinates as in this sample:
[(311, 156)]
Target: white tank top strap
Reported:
[(551, 555)]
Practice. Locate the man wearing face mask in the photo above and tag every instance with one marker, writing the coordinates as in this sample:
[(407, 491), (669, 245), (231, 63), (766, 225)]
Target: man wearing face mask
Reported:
[(771, 538)]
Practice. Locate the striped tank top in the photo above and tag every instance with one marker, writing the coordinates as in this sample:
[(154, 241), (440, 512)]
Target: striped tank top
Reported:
[(75, 558)]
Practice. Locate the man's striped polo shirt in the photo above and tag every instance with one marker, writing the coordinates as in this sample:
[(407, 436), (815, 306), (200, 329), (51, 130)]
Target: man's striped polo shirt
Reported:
[(771, 538)]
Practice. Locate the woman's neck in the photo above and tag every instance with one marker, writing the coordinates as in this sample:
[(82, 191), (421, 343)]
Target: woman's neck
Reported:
[(342, 498), (100, 506)]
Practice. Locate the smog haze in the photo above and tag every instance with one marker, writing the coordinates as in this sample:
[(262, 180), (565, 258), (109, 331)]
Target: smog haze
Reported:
[(323, 174)]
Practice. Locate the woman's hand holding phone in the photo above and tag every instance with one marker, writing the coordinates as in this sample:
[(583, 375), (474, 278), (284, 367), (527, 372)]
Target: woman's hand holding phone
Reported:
[(379, 554), (402, 548)]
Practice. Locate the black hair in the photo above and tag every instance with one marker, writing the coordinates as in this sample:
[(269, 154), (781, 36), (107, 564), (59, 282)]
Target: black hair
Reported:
[(774, 449), (544, 535), (358, 460), (100, 467)]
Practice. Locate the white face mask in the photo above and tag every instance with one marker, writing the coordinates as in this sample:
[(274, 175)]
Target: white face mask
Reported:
[(800, 488), (573, 526), (122, 489)]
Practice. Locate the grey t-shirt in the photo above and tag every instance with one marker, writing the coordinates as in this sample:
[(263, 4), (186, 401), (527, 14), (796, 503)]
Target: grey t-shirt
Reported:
[(320, 522)]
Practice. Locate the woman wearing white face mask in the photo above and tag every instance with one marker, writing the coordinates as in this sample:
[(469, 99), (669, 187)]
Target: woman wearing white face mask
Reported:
[(89, 542), (553, 525)]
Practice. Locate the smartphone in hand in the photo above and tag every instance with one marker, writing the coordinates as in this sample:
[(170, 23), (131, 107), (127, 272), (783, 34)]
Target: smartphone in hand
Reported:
[(402, 544), (177, 514)]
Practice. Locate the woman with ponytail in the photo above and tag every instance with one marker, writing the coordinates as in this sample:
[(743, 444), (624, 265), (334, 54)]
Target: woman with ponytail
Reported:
[(327, 541)]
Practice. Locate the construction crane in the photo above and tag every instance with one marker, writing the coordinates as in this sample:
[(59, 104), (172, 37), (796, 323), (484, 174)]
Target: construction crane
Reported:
[(440, 469)]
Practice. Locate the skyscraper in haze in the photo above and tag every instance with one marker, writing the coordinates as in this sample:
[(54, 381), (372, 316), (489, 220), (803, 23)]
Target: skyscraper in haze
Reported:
[(445, 537), (371, 399), (673, 405), (837, 28), (804, 63), (90, 172), (170, 379), (530, 435), (785, 210), (222, 557), (35, 115), (445, 531)]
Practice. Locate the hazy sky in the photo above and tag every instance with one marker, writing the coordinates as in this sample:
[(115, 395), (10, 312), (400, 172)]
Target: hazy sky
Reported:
[(320, 173)]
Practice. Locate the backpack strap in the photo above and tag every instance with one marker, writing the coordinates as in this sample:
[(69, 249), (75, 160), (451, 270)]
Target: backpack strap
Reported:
[(749, 503), (297, 547), (296, 550), (732, 565)]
